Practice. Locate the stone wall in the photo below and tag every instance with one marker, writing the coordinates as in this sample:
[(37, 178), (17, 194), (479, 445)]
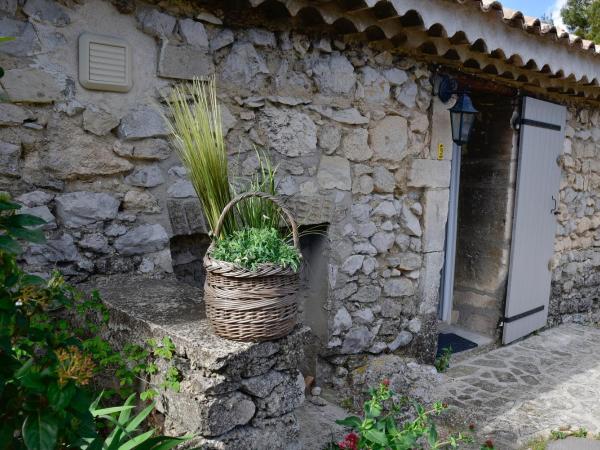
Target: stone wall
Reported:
[(348, 126), (576, 264)]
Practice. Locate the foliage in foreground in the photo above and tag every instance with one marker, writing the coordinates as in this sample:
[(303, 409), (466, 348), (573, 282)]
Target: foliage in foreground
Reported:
[(381, 427), (48, 366), (255, 246), (442, 362)]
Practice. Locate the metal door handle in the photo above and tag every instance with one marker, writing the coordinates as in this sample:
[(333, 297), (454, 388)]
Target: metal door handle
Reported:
[(555, 209)]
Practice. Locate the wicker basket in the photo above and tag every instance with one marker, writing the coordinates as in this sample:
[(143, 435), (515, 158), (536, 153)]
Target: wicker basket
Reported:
[(251, 305)]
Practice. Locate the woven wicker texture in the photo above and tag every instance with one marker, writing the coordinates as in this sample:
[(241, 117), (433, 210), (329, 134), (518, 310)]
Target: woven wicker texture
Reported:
[(251, 305)]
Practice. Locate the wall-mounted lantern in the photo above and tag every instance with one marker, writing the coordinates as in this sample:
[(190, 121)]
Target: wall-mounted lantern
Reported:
[(462, 114)]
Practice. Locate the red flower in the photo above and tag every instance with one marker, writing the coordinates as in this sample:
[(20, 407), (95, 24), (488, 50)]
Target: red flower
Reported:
[(350, 442), (489, 443), (471, 426), (386, 382)]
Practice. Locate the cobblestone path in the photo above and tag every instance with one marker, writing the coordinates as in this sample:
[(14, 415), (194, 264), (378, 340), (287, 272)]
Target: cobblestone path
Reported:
[(523, 390)]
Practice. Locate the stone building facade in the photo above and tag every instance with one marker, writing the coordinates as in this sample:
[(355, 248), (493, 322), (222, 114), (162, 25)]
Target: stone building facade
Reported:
[(353, 126)]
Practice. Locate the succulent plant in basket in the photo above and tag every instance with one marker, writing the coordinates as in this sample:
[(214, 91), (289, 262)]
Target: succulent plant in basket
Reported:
[(252, 264)]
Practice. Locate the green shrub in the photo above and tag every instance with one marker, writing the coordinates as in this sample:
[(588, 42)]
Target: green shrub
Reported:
[(380, 427), (255, 246), (48, 366)]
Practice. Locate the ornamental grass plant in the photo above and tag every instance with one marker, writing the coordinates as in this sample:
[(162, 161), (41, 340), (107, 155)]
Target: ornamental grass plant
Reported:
[(253, 235), (195, 125)]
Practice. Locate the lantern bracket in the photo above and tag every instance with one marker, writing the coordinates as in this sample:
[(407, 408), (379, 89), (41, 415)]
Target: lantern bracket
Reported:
[(445, 87)]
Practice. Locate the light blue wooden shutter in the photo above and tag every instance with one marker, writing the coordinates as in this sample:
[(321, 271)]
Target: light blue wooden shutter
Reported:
[(534, 226)]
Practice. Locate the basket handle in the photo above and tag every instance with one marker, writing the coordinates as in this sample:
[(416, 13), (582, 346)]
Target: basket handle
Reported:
[(266, 196)]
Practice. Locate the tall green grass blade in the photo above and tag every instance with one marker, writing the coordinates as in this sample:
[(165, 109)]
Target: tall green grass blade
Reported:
[(195, 124)]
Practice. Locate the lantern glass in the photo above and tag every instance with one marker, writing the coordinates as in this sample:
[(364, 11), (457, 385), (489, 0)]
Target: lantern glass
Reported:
[(462, 118)]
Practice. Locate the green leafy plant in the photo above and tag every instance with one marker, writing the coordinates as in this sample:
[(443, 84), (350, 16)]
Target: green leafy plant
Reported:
[(442, 363), (48, 364), (379, 428), (126, 433), (255, 246), (255, 212), (195, 125)]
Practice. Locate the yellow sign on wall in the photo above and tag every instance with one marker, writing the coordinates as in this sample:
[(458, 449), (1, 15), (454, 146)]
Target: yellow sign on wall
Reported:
[(440, 154)]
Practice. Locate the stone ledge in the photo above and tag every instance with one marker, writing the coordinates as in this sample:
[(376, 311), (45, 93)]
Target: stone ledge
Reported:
[(231, 392), (167, 307)]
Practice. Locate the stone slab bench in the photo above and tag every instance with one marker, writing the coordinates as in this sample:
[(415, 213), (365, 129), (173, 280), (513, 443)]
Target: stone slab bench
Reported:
[(233, 395)]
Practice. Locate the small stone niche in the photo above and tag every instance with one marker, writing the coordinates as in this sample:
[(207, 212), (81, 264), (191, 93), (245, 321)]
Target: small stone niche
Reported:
[(312, 298)]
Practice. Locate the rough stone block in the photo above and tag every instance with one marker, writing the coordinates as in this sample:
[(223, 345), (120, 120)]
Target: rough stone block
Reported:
[(148, 177), (243, 64), (73, 154), (349, 116), (99, 121), (13, 115), (142, 239), (289, 132), (389, 139), (355, 145), (186, 217), (184, 62), (31, 86), (77, 209), (334, 173), (193, 33), (334, 74), (141, 200), (155, 23), (47, 11), (35, 198), (10, 155), (429, 173), (435, 215), (26, 40), (142, 122), (311, 209)]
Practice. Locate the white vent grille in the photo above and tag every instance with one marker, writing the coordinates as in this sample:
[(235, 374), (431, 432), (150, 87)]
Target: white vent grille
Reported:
[(104, 63)]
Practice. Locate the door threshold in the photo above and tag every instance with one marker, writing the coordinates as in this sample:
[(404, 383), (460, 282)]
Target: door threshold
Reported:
[(484, 343)]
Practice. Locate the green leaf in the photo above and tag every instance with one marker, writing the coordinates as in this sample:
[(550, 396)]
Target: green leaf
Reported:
[(9, 245), (40, 431), (112, 410), (6, 38), (33, 279), (29, 235), (139, 439), (137, 420), (351, 421), (60, 398), (23, 220), (5, 205), (376, 436), (432, 435), (164, 442)]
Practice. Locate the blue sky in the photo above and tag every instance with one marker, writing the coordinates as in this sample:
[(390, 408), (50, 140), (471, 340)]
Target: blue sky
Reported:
[(537, 8)]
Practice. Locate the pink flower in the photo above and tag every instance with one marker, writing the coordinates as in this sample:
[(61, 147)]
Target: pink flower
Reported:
[(350, 442), (386, 382)]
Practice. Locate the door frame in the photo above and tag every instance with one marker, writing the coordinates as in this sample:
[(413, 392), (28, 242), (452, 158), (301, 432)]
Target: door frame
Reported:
[(447, 279)]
